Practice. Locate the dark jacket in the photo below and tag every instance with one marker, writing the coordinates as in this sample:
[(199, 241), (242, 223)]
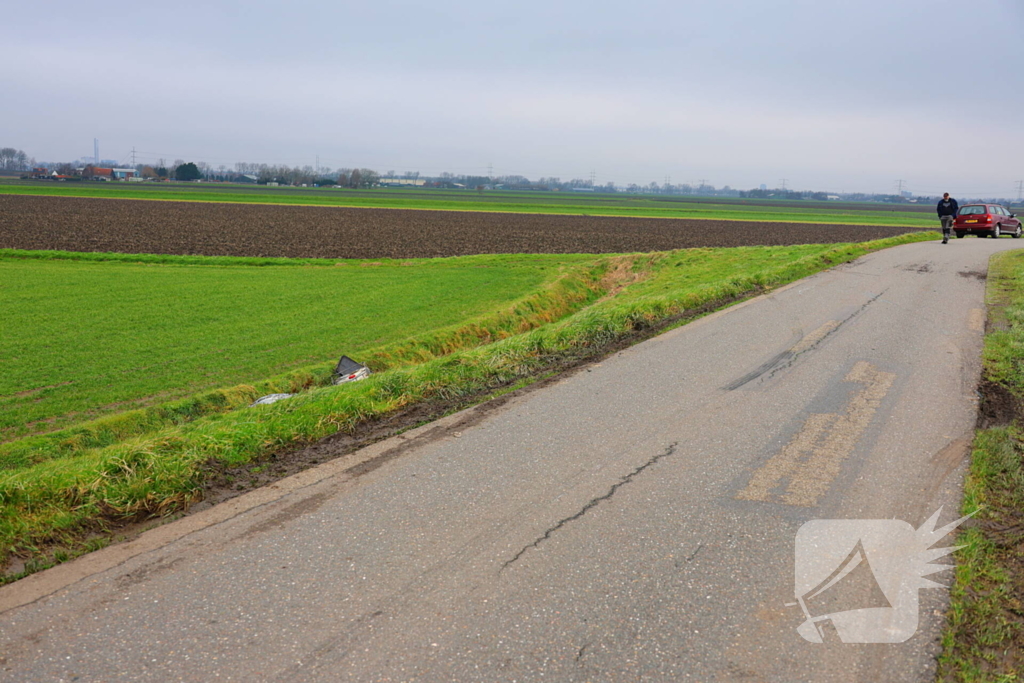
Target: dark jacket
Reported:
[(947, 207)]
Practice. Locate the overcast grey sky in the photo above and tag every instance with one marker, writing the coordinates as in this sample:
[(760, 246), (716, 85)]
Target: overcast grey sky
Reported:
[(838, 95)]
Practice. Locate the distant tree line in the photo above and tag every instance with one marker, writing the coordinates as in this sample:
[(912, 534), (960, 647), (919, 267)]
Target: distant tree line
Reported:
[(12, 159), (288, 175), (15, 160)]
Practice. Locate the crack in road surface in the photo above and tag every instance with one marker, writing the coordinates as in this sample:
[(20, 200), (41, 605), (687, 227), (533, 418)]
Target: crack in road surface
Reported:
[(594, 502), (808, 343)]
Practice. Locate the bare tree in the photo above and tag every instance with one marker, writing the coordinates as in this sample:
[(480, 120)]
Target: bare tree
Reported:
[(7, 157), (370, 178)]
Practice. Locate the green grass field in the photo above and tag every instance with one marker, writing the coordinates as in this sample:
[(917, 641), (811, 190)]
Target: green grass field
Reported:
[(87, 324), (650, 206), (88, 338)]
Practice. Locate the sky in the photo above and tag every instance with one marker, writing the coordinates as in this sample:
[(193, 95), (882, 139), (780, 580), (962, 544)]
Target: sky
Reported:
[(834, 95)]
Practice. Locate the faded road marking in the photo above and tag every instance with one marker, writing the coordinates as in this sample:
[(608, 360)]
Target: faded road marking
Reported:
[(976, 320), (813, 458), (788, 461), (815, 337)]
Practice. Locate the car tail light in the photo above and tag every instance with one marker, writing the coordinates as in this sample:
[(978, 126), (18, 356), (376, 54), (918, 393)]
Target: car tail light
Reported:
[(986, 218)]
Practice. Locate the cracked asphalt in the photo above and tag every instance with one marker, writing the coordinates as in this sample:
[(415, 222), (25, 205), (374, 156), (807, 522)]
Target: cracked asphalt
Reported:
[(633, 521)]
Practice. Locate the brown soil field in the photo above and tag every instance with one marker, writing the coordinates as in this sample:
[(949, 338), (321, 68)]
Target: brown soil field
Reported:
[(151, 227)]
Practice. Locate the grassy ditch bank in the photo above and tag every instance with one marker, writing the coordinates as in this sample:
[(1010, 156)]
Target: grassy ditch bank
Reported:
[(984, 638), (90, 336), (49, 508)]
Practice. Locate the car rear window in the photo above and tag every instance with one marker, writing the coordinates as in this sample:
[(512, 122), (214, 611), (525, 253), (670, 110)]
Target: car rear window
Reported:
[(972, 210)]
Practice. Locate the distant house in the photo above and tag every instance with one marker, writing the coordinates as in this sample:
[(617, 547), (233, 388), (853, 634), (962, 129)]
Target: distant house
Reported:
[(99, 173), (46, 174), (124, 173), (402, 182)]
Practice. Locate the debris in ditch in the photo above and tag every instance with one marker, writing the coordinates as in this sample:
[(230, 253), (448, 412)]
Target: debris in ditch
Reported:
[(349, 371), (269, 398)]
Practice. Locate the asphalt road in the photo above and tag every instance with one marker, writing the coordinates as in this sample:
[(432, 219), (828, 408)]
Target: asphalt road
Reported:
[(637, 520)]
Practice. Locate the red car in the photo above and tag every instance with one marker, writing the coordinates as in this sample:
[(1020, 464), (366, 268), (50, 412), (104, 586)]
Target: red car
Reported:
[(986, 220)]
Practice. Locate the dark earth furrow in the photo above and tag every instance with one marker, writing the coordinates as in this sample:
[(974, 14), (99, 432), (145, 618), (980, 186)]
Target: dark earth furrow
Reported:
[(190, 228)]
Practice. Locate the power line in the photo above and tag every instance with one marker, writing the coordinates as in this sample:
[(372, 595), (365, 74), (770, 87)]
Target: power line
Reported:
[(899, 186), (1020, 190), (784, 181)]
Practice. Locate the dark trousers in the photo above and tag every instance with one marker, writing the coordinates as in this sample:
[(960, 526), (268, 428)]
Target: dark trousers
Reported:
[(947, 225)]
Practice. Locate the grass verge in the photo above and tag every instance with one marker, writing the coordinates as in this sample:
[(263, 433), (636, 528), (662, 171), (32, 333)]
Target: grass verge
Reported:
[(984, 637), (57, 502)]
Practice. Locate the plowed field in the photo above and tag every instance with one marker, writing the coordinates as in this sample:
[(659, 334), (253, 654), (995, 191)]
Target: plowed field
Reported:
[(152, 227)]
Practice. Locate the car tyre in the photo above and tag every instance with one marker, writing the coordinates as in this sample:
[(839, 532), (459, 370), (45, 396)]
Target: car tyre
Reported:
[(960, 234), (995, 232), (1017, 232)]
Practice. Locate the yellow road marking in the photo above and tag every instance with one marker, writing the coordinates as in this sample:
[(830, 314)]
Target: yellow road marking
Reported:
[(976, 320), (814, 337), (813, 458), (788, 461)]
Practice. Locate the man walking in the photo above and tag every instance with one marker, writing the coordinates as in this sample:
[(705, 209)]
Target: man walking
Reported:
[(947, 209)]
